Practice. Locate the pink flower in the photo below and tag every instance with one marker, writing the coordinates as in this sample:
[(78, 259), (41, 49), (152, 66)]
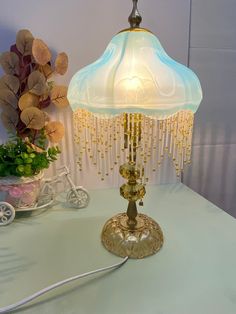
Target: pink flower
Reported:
[(15, 192)]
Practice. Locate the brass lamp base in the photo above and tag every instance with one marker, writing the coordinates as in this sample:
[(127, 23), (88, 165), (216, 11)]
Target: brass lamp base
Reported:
[(144, 239)]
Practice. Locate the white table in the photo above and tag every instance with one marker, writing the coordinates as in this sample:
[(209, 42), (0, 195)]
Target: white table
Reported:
[(194, 273)]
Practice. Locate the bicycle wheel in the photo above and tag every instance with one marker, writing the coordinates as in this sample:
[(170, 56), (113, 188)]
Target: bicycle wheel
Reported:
[(78, 199), (7, 213)]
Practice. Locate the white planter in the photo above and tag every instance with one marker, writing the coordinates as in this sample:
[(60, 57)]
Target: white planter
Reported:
[(20, 192)]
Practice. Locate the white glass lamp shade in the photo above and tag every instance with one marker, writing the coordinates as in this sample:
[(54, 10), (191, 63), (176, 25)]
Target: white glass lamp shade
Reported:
[(135, 75)]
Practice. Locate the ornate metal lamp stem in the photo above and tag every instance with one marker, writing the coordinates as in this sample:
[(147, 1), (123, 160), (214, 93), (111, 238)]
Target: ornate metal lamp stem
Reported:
[(132, 214)]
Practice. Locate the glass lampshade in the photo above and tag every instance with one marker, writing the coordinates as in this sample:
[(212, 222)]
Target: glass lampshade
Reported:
[(135, 75)]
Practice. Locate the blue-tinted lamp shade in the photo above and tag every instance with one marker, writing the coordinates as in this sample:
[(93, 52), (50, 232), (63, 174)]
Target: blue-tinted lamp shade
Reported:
[(135, 75)]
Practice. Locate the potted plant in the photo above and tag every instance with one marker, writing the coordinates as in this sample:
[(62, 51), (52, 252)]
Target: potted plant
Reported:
[(27, 90)]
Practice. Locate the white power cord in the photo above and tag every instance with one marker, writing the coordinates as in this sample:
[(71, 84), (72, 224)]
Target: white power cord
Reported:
[(56, 285)]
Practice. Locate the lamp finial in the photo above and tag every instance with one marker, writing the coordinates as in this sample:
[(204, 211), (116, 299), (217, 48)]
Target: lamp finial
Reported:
[(135, 18)]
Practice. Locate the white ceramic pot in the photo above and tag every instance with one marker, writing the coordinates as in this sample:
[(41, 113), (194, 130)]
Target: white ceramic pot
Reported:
[(20, 192)]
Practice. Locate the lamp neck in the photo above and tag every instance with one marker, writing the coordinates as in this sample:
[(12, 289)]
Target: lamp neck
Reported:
[(135, 18)]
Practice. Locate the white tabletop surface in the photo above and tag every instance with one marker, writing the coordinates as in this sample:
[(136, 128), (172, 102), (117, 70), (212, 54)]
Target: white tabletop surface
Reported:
[(194, 273)]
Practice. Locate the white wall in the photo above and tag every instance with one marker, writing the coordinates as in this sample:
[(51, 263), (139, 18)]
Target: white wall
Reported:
[(213, 57)]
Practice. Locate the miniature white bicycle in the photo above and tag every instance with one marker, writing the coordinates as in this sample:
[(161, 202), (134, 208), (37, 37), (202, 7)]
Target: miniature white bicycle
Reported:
[(76, 197)]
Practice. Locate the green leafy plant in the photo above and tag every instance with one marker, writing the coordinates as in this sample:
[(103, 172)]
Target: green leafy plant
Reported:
[(21, 158)]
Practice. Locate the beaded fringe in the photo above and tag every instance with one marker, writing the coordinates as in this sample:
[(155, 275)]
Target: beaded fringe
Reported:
[(113, 140)]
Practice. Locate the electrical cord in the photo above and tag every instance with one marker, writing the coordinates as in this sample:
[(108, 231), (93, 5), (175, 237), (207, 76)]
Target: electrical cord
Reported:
[(58, 284)]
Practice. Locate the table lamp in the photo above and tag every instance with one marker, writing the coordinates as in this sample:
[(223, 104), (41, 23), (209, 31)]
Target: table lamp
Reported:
[(131, 108)]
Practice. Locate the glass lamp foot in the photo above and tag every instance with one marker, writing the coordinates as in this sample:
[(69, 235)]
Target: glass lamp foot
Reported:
[(144, 239)]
